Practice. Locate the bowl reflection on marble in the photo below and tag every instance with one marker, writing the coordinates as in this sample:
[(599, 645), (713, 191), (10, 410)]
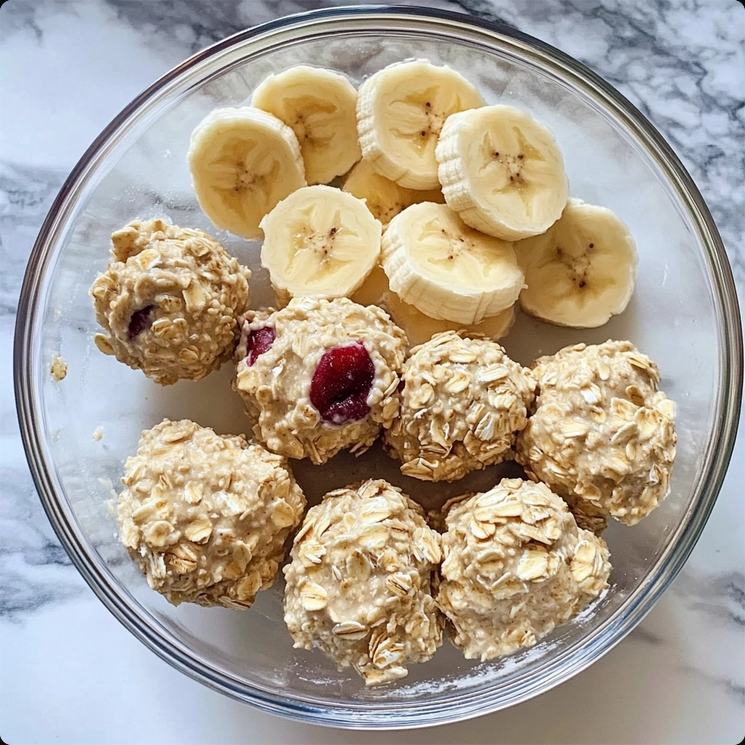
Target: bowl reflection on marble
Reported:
[(683, 314)]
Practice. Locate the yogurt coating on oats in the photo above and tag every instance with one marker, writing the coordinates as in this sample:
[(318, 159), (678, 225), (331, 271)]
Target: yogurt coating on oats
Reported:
[(515, 566), (463, 403), (602, 434), (169, 301), (359, 583), (319, 376), (205, 516)]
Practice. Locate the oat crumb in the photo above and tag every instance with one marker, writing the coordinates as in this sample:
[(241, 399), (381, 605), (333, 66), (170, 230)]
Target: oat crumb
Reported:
[(58, 369)]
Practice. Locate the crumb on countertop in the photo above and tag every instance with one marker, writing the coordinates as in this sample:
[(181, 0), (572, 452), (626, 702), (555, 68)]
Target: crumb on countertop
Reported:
[(58, 368), (98, 434)]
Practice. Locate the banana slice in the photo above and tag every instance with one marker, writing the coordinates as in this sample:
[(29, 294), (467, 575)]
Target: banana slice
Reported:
[(582, 270), (502, 172), (400, 112), (420, 328), (320, 107), (243, 162), (384, 198), (447, 270), (319, 241)]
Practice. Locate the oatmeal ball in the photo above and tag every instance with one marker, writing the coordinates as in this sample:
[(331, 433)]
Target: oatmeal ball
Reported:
[(359, 582), (463, 403), (515, 565), (319, 376), (205, 516), (602, 435), (169, 301)]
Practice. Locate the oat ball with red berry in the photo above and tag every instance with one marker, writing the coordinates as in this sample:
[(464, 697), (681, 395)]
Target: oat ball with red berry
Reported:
[(169, 301), (319, 376)]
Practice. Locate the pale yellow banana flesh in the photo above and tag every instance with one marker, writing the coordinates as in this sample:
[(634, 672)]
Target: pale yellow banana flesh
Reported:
[(445, 266), (582, 270), (320, 241), (384, 198), (502, 172), (447, 270), (320, 107), (400, 112), (420, 328), (243, 161)]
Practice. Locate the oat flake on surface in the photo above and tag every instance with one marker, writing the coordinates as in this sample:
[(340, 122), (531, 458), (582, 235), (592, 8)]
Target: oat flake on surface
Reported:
[(58, 368)]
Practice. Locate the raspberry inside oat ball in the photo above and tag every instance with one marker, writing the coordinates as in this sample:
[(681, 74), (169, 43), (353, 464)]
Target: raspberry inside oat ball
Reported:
[(141, 320), (342, 383), (258, 341)]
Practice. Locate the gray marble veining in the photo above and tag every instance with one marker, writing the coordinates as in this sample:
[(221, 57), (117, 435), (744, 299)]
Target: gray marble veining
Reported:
[(683, 65)]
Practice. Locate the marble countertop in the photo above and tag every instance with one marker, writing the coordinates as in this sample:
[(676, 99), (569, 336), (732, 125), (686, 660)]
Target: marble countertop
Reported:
[(69, 673)]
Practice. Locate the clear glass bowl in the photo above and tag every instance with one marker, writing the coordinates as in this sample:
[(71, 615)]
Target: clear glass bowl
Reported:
[(684, 315)]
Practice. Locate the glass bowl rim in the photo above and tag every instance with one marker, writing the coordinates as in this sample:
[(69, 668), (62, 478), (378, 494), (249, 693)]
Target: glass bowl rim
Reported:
[(467, 705)]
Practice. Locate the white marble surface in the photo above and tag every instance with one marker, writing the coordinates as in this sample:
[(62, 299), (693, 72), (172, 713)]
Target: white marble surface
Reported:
[(69, 673)]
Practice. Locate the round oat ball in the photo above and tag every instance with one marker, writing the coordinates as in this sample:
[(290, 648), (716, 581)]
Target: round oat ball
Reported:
[(169, 301), (319, 376), (359, 582), (515, 565), (602, 435), (463, 403), (205, 516)]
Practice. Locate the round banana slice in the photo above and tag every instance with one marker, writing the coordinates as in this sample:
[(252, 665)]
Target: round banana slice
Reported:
[(320, 107), (400, 112), (319, 241), (385, 198), (447, 270), (420, 328), (582, 270), (243, 161), (502, 172)]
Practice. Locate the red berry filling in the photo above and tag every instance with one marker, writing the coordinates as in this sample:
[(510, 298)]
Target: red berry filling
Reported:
[(140, 321), (259, 341), (342, 383)]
